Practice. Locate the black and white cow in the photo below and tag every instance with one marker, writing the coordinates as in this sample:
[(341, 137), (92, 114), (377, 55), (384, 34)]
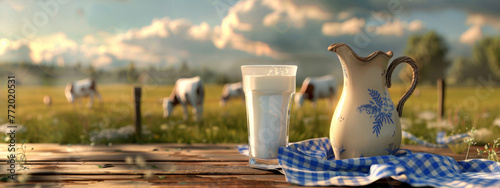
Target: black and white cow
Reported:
[(82, 88), (231, 91), (187, 91), (314, 88)]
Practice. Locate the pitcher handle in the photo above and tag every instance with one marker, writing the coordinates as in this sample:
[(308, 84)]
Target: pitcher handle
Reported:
[(414, 81)]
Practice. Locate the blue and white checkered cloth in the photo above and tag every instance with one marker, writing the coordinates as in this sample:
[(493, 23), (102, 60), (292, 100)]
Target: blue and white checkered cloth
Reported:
[(311, 163), (441, 139)]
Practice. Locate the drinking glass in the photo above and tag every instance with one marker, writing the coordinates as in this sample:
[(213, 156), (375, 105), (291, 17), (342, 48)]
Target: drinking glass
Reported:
[(268, 90)]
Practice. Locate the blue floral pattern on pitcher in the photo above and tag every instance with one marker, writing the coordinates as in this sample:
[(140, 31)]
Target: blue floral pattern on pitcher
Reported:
[(392, 149), (380, 108), (337, 150)]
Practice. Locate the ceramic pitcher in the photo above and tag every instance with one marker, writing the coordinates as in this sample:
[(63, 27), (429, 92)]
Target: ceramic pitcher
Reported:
[(366, 122)]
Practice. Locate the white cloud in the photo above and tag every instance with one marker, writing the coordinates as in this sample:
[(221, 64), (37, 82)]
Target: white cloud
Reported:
[(151, 44), (344, 15), (4, 45), (167, 40), (157, 28), (60, 61), (201, 32), (478, 20), (102, 61), (415, 25), (48, 47), (226, 37), (356, 25), (483, 19), (16, 5), (288, 10), (89, 39), (398, 27), (351, 27), (180, 26), (472, 35), (130, 52), (395, 27)]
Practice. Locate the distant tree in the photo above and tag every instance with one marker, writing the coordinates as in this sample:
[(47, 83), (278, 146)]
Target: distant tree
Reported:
[(222, 79), (91, 71), (78, 66), (461, 71), (486, 54), (207, 75), (429, 52), (485, 61), (184, 70), (132, 73)]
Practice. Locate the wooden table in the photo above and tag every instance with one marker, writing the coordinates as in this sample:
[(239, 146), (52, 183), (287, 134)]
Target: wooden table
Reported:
[(156, 165)]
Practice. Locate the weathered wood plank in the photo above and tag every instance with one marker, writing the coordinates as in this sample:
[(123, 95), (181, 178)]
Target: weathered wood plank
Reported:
[(168, 152), (121, 157), (174, 180), (165, 168), (161, 152), (133, 147)]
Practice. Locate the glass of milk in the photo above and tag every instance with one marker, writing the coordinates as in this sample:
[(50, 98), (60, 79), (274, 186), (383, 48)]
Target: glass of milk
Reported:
[(269, 90)]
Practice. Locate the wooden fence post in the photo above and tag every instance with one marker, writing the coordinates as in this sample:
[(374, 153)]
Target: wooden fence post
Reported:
[(137, 117), (441, 85)]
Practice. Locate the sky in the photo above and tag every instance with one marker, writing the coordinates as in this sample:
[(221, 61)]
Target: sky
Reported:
[(224, 34)]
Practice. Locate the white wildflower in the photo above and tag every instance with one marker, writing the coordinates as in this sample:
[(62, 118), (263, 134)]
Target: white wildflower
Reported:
[(111, 134), (405, 123), (419, 121), (440, 125), (182, 126), (4, 128), (307, 120), (215, 129), (483, 135), (164, 127), (144, 129), (496, 122), (427, 115)]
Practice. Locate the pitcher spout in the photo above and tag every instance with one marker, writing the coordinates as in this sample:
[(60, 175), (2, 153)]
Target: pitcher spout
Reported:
[(342, 48)]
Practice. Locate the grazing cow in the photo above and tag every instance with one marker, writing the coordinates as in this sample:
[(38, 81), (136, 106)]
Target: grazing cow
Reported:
[(82, 88), (230, 91), (187, 91), (315, 88), (47, 100)]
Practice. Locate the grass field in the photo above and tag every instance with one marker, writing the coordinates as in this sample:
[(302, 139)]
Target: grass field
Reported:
[(65, 123)]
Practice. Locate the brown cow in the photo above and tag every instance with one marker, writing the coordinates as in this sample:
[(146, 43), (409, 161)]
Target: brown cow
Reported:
[(315, 88)]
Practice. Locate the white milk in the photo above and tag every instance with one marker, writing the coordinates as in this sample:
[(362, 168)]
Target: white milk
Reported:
[(267, 101)]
